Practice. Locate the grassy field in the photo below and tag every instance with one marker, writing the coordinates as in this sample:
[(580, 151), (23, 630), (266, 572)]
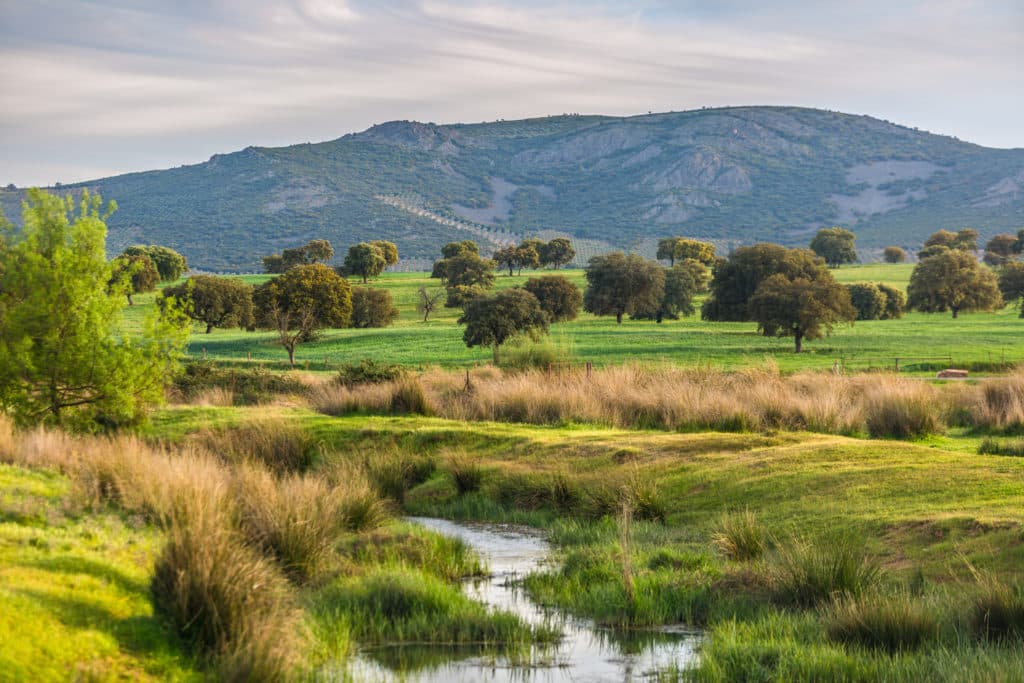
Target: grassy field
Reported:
[(935, 340)]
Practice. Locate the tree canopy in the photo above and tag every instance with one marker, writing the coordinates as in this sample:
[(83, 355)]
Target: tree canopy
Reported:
[(214, 301), (169, 264), (963, 240), (64, 356), (558, 298), (801, 307), (137, 272), (302, 301), (952, 280), (674, 249), (557, 252), (1011, 282), (372, 308), (468, 276), (683, 282), (365, 260), (894, 255), (835, 245), (388, 249), (618, 284), (735, 280), (1000, 249), (493, 320), (314, 251)]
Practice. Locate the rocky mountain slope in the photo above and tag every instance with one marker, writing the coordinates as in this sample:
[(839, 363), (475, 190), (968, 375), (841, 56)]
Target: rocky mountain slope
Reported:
[(734, 175)]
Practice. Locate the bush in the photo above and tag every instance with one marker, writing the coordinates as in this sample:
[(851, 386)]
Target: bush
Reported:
[(991, 446), (466, 473), (372, 308), (812, 573), (225, 601), (393, 474), (895, 623), (740, 536), (526, 354), (369, 371), (894, 255), (247, 385), (868, 299)]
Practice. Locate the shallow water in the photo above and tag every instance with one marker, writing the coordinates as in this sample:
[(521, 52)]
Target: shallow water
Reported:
[(586, 653)]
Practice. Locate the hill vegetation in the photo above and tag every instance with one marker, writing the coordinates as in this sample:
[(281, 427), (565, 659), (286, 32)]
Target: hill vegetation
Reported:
[(735, 175)]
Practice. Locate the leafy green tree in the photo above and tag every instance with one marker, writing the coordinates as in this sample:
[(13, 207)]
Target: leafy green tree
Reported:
[(835, 245), (736, 279), (301, 302), (963, 240), (667, 249), (138, 271), (999, 249), (389, 249), (468, 277), (65, 358), (895, 301), (372, 308), (618, 284), (169, 264), (527, 256), (868, 300), (702, 252), (952, 280), (557, 253), (1011, 282), (214, 301), (802, 308), (683, 282), (894, 255), (318, 251), (453, 249), (365, 260), (558, 298), (314, 251), (427, 301), (506, 258), (492, 321)]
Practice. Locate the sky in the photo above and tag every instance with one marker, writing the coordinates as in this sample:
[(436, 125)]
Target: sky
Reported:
[(98, 87)]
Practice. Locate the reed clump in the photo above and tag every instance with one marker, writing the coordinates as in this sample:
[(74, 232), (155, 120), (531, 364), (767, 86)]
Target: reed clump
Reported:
[(810, 573), (741, 536), (276, 443), (892, 622)]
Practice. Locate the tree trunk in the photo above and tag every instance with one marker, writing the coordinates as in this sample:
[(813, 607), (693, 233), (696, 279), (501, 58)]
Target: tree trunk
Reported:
[(955, 311), (130, 302), (209, 328), (291, 354), (364, 278), (799, 339), (510, 271), (496, 345), (618, 318)]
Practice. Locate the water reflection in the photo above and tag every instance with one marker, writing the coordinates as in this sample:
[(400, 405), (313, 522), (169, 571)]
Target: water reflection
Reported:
[(586, 653)]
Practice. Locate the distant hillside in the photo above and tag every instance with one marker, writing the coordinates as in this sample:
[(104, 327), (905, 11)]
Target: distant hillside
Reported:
[(735, 175)]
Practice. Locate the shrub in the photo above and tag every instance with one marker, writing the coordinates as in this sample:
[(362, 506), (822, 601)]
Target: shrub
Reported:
[(644, 498), (409, 398), (368, 371), (528, 354), (740, 536), (372, 308), (868, 299), (225, 601), (894, 623), (247, 385), (812, 573), (894, 255), (393, 474)]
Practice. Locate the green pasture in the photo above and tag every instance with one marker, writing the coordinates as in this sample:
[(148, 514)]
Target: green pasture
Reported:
[(920, 341)]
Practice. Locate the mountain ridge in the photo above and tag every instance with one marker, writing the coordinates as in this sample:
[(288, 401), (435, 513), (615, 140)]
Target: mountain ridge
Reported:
[(732, 175)]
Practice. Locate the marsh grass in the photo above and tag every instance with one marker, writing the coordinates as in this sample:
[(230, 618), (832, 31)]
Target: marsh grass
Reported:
[(740, 536), (393, 473), (808, 573), (274, 442), (990, 446), (997, 610), (465, 471), (891, 622)]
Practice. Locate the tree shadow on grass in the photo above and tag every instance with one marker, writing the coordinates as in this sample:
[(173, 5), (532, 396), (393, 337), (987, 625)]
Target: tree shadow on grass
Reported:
[(64, 564)]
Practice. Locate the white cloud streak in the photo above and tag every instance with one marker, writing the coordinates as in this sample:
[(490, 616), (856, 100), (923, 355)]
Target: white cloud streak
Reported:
[(116, 85)]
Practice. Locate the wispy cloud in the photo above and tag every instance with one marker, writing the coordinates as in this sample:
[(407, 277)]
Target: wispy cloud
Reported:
[(104, 86)]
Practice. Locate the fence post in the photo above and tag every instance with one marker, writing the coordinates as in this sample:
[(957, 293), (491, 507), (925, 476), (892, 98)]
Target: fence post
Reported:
[(307, 364), (467, 379), (204, 353), (590, 366), (325, 362), (248, 357), (897, 363)]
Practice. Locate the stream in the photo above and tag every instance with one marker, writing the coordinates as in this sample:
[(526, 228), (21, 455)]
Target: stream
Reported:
[(586, 653)]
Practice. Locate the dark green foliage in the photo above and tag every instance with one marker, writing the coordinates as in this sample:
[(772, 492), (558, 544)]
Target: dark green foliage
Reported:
[(137, 271), (468, 276), (369, 371), (314, 251), (802, 308), (388, 249), (999, 249), (453, 249), (895, 301), (952, 280), (683, 282), (492, 321), (301, 302), (216, 301), (249, 385), (962, 240), (169, 263), (558, 298), (516, 258), (365, 260), (372, 308), (894, 255), (618, 284), (990, 446), (557, 252), (735, 280), (835, 245), (868, 300), (1011, 282)]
